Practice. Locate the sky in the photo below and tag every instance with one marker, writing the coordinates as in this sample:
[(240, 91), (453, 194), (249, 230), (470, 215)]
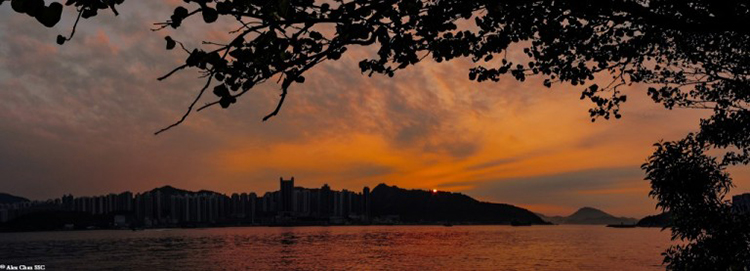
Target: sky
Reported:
[(80, 119)]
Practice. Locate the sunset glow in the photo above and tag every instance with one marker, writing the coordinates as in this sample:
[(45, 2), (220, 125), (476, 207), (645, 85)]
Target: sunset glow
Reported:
[(83, 125)]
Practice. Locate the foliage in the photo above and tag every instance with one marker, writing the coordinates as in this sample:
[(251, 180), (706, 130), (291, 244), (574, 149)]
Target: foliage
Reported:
[(691, 185), (690, 54)]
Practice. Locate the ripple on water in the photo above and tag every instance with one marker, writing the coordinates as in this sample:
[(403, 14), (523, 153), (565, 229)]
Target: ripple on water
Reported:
[(343, 248)]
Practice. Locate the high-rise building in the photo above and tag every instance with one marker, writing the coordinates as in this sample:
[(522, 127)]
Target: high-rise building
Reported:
[(346, 203), (296, 201), (111, 203), (366, 203), (188, 214), (287, 190), (174, 209), (338, 203), (741, 204), (326, 201), (125, 201), (251, 207), (4, 215), (157, 208), (236, 206), (268, 202), (305, 202), (314, 202), (68, 202)]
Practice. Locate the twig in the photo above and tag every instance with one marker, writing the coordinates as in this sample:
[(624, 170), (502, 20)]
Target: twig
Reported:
[(278, 106), (75, 25), (190, 108), (172, 72)]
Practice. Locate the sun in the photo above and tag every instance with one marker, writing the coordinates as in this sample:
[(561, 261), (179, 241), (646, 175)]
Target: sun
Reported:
[(434, 190)]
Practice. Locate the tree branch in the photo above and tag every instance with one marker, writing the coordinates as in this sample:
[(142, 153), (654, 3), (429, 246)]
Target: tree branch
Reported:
[(278, 106), (190, 108)]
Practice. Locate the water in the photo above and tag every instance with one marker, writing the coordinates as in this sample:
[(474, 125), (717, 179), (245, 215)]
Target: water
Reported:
[(343, 248)]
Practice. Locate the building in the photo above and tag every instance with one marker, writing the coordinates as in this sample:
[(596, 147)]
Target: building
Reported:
[(287, 196), (326, 201), (4, 215), (170, 207), (366, 205), (741, 204), (249, 208)]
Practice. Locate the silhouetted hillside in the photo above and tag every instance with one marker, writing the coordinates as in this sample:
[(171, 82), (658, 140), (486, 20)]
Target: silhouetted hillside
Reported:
[(168, 190), (414, 206), (660, 220), (590, 216), (551, 219), (8, 198)]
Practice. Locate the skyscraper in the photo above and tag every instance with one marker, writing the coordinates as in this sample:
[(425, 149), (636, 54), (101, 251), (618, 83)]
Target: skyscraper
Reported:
[(366, 203), (326, 201), (287, 188)]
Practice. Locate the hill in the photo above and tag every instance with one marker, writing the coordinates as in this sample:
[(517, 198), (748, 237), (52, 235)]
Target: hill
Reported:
[(420, 206), (590, 216), (8, 198), (169, 190), (660, 220)]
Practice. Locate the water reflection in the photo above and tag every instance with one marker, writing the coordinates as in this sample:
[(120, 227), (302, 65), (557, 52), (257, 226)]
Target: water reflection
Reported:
[(287, 259), (340, 248)]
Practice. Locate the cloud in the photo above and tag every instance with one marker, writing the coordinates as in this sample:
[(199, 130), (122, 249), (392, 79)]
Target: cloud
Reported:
[(617, 190), (79, 119)]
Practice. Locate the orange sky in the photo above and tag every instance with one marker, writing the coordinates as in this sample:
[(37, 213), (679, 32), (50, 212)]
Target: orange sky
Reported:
[(79, 119)]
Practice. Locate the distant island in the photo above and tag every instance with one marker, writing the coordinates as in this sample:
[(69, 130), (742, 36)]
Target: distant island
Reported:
[(168, 206), (661, 220), (419, 206), (590, 216)]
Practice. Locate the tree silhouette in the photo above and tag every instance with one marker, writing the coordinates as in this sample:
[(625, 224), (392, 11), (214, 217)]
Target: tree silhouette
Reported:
[(691, 54)]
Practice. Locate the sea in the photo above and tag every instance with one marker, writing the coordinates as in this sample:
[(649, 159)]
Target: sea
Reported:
[(558, 247)]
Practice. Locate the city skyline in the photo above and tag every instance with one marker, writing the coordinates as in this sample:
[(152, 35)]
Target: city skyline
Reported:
[(480, 195), (290, 205), (250, 191), (169, 206), (286, 199)]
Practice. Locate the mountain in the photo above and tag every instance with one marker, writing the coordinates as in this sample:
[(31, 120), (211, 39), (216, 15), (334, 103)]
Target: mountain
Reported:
[(8, 199), (419, 206), (552, 219), (660, 220), (590, 216), (168, 190)]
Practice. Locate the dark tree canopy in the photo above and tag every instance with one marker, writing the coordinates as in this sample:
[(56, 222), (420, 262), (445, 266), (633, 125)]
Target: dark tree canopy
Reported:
[(689, 54)]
